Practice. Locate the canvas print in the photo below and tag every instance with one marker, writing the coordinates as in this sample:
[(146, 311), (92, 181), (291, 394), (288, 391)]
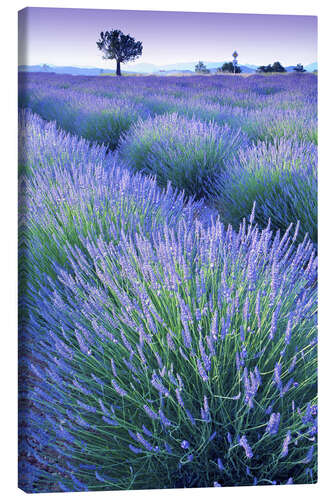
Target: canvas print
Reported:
[(167, 250)]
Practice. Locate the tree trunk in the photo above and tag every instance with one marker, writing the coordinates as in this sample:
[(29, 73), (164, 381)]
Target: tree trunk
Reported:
[(118, 68)]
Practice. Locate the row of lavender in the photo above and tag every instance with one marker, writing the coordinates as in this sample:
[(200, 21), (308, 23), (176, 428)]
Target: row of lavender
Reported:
[(235, 141), (102, 108), (158, 347)]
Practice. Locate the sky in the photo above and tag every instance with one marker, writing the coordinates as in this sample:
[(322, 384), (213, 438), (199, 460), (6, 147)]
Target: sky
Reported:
[(67, 37)]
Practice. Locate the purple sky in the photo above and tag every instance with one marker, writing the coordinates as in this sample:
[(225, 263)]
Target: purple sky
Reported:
[(68, 36)]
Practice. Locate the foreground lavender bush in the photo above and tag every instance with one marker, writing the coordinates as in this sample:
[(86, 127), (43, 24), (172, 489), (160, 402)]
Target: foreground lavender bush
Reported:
[(189, 153), (280, 177), (162, 362), (159, 350)]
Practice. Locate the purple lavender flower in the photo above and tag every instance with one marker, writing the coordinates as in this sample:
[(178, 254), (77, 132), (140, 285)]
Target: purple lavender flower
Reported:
[(247, 448), (185, 444), (277, 375), (157, 383), (146, 431), (212, 436), (86, 407), (179, 398), (165, 421), (110, 421), (242, 333), (246, 310), (144, 442), (206, 407), (190, 416), (288, 332), (135, 450), (309, 455), (82, 344), (167, 447), (285, 444), (114, 371), (187, 336), (150, 412), (171, 344), (118, 389), (201, 371), (273, 424), (220, 464), (205, 358)]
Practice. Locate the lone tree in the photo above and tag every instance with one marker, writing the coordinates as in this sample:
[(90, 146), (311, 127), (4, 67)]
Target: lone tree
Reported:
[(123, 48), (299, 68), (201, 68), (229, 67)]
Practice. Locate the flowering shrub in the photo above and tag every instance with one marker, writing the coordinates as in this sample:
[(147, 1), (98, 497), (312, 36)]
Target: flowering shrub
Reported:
[(279, 122), (94, 118), (187, 152), (280, 177), (159, 348)]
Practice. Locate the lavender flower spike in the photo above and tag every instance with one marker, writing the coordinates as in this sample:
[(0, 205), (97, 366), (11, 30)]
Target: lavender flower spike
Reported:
[(120, 391), (273, 424), (185, 444), (247, 448), (285, 445)]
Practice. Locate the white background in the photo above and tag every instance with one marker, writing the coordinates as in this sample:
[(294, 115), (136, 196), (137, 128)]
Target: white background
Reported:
[(8, 239)]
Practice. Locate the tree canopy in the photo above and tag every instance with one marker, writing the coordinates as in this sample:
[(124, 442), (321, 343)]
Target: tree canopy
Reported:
[(272, 68), (115, 45), (201, 68), (228, 67), (299, 68)]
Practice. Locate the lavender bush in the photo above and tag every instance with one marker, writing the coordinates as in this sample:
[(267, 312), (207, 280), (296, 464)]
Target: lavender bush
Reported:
[(189, 153), (94, 118), (281, 178)]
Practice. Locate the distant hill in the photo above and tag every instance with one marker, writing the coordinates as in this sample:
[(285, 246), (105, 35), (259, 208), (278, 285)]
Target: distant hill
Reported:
[(185, 66), (70, 70), (146, 68), (311, 67)]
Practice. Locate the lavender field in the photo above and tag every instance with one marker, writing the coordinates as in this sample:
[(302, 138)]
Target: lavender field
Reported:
[(168, 281)]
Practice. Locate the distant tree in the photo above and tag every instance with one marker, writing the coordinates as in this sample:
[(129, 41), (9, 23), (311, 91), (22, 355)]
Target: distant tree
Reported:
[(228, 67), (201, 68), (264, 69), (278, 68), (299, 68), (260, 69), (46, 67), (123, 48), (272, 68)]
